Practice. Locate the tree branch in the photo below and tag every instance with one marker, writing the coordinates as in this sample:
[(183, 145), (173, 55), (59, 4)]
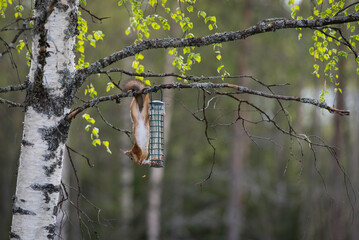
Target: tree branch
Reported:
[(10, 103), (12, 43), (13, 88), (268, 25), (186, 77), (93, 16), (239, 90)]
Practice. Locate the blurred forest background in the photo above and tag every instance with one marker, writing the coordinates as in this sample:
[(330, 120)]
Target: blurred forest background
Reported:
[(262, 189)]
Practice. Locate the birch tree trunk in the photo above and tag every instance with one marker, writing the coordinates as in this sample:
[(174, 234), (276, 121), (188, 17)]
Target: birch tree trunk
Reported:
[(49, 97)]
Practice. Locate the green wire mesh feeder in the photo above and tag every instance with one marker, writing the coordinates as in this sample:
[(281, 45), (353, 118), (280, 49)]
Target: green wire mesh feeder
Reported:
[(156, 120)]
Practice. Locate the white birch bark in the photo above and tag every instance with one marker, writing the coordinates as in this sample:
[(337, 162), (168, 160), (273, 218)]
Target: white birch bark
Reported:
[(47, 102)]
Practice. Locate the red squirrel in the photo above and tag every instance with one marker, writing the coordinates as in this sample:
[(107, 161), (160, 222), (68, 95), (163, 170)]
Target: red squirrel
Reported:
[(140, 127)]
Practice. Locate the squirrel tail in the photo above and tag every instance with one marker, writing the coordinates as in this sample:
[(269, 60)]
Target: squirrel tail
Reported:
[(136, 85)]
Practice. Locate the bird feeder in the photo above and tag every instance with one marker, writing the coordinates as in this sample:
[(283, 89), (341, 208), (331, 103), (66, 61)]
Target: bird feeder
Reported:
[(156, 120)]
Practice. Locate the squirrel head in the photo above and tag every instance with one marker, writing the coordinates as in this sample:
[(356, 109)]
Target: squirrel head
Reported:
[(132, 156)]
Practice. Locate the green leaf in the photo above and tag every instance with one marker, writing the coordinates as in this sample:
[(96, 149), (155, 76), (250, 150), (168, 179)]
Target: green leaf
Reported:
[(202, 14), (20, 46), (165, 25), (186, 50), (155, 26), (98, 35), (96, 142), (95, 132), (220, 68), (110, 85), (190, 8), (152, 2), (135, 64), (219, 57), (197, 57), (139, 56), (128, 31), (107, 145), (88, 118), (170, 52), (87, 128), (343, 54)]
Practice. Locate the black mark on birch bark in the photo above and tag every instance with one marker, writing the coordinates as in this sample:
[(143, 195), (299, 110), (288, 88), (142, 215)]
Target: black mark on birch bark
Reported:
[(46, 189), (21, 211), (26, 143), (51, 230), (14, 235)]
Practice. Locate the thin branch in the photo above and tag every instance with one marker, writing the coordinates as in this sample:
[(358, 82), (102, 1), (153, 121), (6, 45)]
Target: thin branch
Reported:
[(83, 156), (239, 90), (261, 27), (128, 133), (78, 187), (186, 77), (348, 44), (209, 140), (117, 85), (10, 103), (343, 9), (19, 87), (93, 16), (344, 41)]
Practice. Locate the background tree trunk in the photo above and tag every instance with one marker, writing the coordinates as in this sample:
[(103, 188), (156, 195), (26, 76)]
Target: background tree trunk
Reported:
[(338, 218), (239, 149), (48, 100), (156, 174), (126, 181)]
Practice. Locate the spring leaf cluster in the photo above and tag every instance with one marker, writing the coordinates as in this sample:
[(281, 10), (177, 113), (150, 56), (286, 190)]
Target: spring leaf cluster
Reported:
[(329, 43)]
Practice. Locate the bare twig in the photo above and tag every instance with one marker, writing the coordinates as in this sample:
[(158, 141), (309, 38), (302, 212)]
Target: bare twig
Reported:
[(209, 140), (188, 77), (12, 43), (10, 103), (344, 41), (5, 28), (19, 87), (78, 187), (117, 85), (83, 156), (93, 16), (128, 133), (343, 9)]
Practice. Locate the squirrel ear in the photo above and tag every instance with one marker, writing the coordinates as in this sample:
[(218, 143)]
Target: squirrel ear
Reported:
[(128, 154)]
